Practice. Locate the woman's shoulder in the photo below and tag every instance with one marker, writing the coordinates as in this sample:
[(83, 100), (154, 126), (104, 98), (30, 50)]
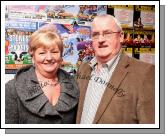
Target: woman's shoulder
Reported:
[(10, 83), (64, 74), (19, 79), (68, 80), (24, 69), (63, 71), (10, 88), (25, 73)]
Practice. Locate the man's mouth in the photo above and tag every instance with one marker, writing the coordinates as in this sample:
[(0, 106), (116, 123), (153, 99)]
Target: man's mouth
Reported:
[(103, 46)]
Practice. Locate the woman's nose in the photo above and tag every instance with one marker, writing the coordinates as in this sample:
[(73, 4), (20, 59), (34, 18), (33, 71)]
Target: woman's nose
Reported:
[(48, 56)]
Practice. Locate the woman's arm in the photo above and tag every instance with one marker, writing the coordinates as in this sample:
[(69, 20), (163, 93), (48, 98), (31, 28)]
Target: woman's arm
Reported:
[(11, 107)]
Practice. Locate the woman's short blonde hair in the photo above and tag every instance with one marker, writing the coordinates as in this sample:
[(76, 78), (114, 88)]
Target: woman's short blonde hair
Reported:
[(46, 37)]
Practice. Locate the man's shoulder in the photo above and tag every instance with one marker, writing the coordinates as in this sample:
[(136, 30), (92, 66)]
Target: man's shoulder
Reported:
[(139, 65), (84, 66), (139, 62)]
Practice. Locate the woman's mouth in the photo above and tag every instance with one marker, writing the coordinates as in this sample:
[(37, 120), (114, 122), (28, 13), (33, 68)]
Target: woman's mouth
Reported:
[(48, 64)]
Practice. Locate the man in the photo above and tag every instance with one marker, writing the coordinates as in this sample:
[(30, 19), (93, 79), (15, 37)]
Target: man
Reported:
[(114, 88)]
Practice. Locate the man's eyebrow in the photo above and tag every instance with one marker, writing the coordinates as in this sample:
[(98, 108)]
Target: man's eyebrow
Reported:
[(95, 32), (102, 31), (107, 31)]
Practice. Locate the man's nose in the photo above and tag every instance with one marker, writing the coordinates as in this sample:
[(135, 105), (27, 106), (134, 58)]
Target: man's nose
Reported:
[(101, 38)]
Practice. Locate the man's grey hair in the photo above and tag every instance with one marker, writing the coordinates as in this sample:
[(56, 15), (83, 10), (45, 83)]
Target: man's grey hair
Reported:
[(109, 16)]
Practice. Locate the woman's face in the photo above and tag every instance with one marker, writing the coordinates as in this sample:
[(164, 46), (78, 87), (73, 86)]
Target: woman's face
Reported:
[(47, 60)]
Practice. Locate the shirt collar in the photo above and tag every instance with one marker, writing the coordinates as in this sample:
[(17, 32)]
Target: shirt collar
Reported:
[(93, 63), (109, 64)]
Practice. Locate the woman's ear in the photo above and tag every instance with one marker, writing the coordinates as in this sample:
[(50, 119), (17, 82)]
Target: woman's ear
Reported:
[(61, 61), (33, 61)]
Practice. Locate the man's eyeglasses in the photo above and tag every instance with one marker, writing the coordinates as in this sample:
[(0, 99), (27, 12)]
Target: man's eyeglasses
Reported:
[(106, 35)]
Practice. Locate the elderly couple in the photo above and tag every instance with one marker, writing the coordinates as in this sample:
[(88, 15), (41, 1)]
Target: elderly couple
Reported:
[(120, 89)]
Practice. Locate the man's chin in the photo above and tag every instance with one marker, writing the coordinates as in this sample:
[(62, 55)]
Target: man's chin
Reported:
[(104, 55)]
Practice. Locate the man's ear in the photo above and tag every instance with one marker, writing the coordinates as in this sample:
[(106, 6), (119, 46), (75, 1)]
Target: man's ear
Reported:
[(121, 37)]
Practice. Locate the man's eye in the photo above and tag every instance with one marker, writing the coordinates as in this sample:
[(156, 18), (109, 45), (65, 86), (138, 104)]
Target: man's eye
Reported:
[(95, 35), (107, 33)]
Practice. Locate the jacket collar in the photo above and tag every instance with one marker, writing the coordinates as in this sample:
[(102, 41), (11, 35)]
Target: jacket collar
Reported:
[(109, 64), (119, 74), (33, 98)]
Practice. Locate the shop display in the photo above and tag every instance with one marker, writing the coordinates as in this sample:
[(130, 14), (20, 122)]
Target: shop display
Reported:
[(17, 34), (73, 24)]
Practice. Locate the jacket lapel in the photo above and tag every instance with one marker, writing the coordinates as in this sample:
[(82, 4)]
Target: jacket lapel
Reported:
[(118, 76), (83, 84)]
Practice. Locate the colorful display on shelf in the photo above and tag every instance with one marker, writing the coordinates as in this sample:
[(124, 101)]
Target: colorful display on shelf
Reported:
[(16, 43), (144, 17), (73, 24)]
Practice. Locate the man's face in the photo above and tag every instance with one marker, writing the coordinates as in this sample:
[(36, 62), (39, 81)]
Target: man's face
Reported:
[(106, 44)]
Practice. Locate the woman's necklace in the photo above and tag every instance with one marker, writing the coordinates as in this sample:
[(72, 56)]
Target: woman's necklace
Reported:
[(52, 83)]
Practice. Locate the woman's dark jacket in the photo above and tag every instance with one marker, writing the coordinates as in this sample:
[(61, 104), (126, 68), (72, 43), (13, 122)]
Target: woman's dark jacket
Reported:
[(25, 102)]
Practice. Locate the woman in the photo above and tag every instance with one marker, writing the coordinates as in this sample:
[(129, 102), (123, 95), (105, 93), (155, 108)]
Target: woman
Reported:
[(42, 93)]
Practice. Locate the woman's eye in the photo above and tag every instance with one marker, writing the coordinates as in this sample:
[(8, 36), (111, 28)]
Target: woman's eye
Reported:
[(55, 52), (42, 53)]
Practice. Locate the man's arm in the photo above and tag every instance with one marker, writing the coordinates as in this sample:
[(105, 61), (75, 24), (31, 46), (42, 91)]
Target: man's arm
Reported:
[(146, 99)]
